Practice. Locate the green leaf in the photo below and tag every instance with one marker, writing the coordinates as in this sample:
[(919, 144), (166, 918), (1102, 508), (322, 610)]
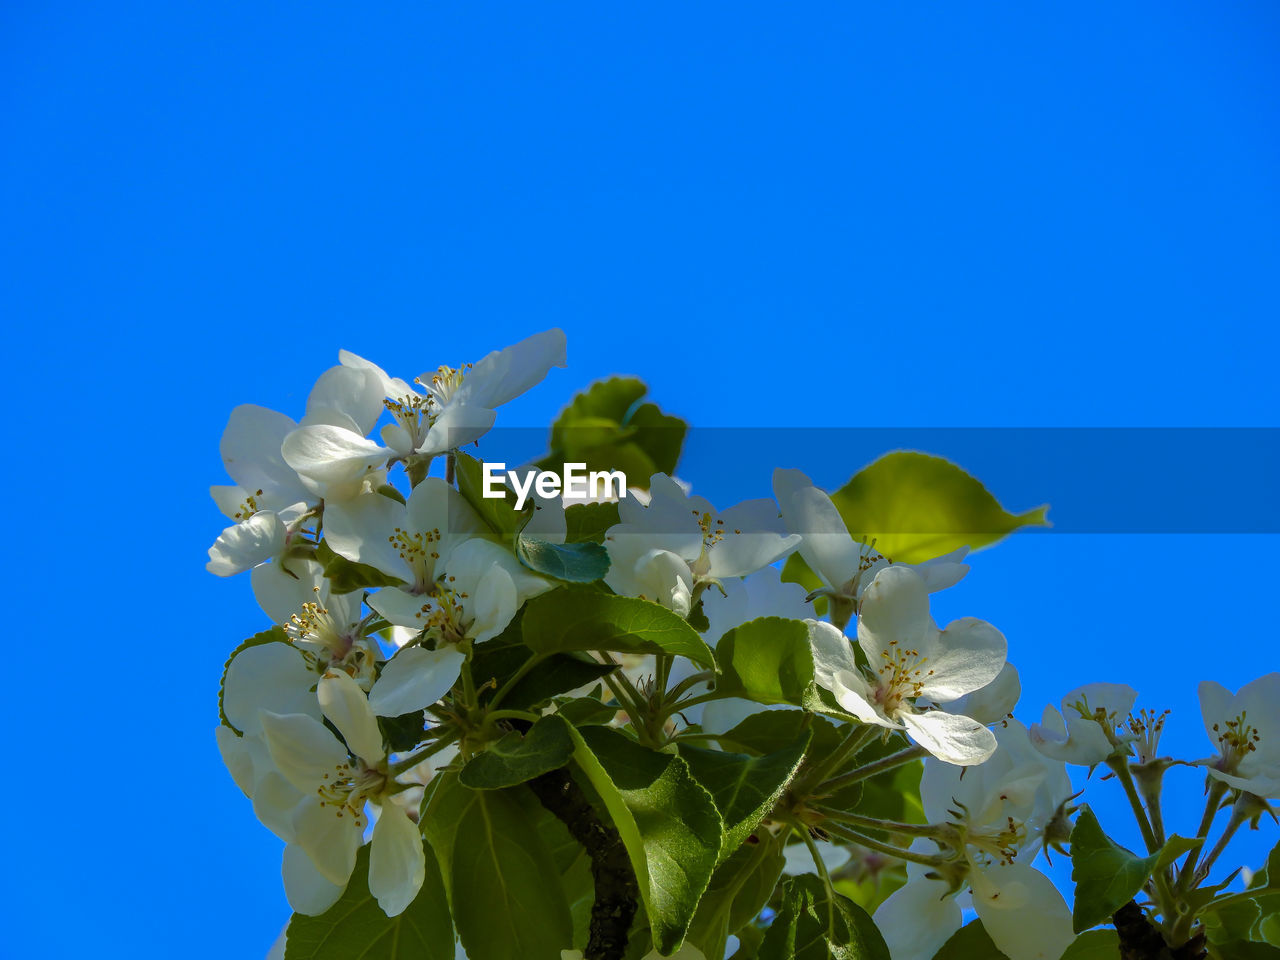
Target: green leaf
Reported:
[(1174, 848), (586, 711), (771, 730), (517, 758), (666, 819), (355, 926), (507, 897), (1234, 919), (588, 522), (1107, 876), (404, 732), (1094, 945), (916, 507), (274, 635), (767, 660), (555, 674), (574, 864), (346, 576), (444, 803), (739, 889), (572, 562), (816, 924), (582, 618), (744, 788), (607, 428), (970, 942), (1268, 929), (499, 513)]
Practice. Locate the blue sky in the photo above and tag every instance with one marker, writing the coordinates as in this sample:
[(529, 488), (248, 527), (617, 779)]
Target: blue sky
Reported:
[(810, 215)]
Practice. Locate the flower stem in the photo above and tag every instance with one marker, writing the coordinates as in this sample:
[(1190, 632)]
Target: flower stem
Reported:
[(857, 738), (516, 677), (1165, 899), (400, 766), (1239, 814), (822, 872), (1186, 873), (845, 833), (903, 756), (888, 826)]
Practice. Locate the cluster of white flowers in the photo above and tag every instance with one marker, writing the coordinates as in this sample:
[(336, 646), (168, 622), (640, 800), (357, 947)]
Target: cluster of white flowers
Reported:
[(304, 706), (450, 587)]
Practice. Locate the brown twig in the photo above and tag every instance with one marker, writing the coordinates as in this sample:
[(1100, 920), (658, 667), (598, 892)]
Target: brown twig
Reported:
[(617, 893)]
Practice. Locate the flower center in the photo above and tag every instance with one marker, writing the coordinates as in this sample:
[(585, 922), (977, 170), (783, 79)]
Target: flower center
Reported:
[(443, 615), (900, 676), (870, 562), (1236, 740), (248, 508), (1146, 728), (315, 624), (345, 790), (420, 550), (411, 412), (445, 383)]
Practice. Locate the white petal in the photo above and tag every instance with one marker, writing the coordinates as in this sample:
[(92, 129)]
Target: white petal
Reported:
[(993, 702), (456, 426), (397, 865), (393, 388), (895, 609), (749, 541), (832, 652), (235, 754), (1259, 786), (918, 919), (362, 530), (400, 607), (269, 676), (347, 707), (356, 395), (333, 462), (277, 949), (306, 889), (1023, 912), (414, 679), (825, 545), (966, 656), (505, 374), (944, 571), (302, 749), (494, 603), (250, 449), (852, 694), (436, 507), (230, 499), (281, 592), (958, 740), (330, 836), (275, 803), (243, 546)]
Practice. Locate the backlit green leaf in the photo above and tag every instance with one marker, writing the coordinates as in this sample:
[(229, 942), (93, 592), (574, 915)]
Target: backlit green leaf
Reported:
[(582, 618)]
